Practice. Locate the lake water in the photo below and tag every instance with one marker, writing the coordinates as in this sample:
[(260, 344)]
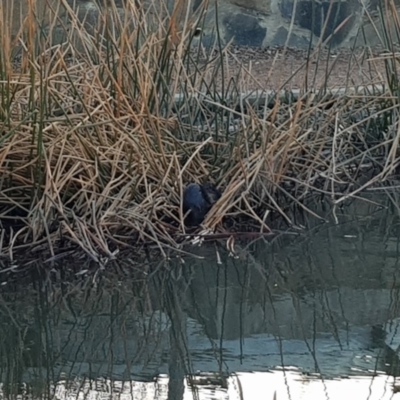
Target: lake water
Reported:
[(307, 315)]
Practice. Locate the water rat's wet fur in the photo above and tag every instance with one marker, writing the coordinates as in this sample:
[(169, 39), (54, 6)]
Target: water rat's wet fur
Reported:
[(197, 201)]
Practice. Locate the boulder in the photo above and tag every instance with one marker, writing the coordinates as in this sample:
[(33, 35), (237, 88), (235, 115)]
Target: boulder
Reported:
[(258, 23)]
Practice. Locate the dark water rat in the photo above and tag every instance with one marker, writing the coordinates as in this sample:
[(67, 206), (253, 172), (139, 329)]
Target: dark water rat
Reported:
[(198, 200)]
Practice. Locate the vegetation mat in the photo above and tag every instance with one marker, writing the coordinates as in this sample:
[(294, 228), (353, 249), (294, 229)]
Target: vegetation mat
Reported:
[(100, 134)]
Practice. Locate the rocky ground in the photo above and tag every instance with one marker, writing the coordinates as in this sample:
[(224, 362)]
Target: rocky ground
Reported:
[(276, 68), (279, 68)]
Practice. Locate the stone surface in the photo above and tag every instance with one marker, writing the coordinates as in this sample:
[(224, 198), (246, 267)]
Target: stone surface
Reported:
[(281, 39), (258, 23), (322, 18), (261, 6), (244, 30)]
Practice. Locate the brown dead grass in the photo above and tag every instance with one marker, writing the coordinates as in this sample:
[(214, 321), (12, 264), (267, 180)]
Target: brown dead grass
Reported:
[(96, 152)]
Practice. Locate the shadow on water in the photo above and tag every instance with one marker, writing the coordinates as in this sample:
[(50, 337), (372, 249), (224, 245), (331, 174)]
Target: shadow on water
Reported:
[(310, 316)]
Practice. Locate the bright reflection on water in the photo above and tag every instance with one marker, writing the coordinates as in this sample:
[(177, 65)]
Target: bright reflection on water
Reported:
[(308, 316)]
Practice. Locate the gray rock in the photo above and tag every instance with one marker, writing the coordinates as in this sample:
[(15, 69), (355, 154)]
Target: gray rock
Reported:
[(245, 30), (314, 16), (281, 37), (256, 23), (260, 6)]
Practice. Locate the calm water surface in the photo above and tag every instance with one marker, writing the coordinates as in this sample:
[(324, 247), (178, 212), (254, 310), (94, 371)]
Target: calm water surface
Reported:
[(315, 315)]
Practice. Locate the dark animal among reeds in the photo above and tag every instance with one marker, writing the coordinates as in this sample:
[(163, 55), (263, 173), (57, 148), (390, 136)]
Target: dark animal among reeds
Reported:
[(197, 201)]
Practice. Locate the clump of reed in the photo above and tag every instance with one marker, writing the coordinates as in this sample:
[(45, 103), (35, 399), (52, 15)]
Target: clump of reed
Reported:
[(100, 134)]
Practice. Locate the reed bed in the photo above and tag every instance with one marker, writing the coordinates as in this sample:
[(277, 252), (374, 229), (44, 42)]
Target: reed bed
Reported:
[(96, 149)]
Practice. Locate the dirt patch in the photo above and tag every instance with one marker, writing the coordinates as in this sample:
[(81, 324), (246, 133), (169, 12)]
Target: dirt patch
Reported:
[(278, 68)]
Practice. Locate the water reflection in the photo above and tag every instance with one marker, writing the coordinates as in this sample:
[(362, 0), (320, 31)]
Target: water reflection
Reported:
[(289, 318)]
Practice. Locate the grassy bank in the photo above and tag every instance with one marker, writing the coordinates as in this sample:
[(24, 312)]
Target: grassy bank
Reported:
[(95, 150)]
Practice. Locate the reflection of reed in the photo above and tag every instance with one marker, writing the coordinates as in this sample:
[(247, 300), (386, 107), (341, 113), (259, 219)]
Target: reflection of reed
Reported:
[(26, 342), (309, 301), (69, 330), (237, 386)]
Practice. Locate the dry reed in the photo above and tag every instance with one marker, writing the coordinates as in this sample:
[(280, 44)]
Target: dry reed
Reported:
[(95, 149)]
